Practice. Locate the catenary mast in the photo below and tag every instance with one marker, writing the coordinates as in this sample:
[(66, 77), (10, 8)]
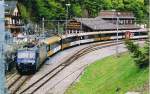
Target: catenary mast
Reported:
[(2, 48)]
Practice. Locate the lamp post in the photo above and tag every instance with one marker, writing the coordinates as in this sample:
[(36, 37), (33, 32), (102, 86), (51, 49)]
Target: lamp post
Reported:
[(67, 5), (2, 46), (117, 33), (43, 24)]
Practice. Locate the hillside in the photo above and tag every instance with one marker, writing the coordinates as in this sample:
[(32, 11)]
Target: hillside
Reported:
[(106, 75), (56, 9)]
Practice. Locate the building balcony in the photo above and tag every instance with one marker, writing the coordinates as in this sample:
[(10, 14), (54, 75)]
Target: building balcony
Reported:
[(15, 26)]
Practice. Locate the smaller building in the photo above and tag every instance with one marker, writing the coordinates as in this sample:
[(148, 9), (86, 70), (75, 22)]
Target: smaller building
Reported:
[(125, 18), (12, 17)]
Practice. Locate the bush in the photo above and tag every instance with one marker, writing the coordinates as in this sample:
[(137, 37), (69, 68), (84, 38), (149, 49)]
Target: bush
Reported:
[(141, 58)]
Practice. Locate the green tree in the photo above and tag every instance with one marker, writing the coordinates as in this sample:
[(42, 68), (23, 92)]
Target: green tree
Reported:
[(118, 4), (141, 58), (56, 9), (24, 14)]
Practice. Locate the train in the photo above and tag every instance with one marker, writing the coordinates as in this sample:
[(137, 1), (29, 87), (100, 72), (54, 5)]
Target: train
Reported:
[(29, 59)]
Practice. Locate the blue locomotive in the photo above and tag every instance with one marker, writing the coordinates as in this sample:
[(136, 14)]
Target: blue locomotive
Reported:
[(29, 59), (31, 56)]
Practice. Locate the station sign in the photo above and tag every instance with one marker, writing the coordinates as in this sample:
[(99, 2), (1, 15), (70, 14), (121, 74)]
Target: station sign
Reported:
[(74, 25)]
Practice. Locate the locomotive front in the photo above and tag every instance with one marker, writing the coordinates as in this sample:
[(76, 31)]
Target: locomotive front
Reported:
[(26, 61)]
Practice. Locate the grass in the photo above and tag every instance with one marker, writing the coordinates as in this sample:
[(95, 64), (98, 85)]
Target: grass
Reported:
[(106, 75)]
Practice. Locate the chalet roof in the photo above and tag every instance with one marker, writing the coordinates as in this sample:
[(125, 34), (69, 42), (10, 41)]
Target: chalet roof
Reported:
[(11, 5), (100, 24), (115, 14), (94, 24)]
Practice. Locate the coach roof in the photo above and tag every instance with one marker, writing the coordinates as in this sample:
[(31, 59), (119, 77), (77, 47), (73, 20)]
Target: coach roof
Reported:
[(52, 40)]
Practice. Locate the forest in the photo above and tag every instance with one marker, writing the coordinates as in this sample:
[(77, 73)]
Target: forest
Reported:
[(35, 10)]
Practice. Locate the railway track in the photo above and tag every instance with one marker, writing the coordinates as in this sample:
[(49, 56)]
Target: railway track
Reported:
[(10, 76), (15, 83), (31, 89)]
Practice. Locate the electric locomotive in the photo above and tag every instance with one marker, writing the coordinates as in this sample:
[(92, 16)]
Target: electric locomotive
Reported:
[(29, 59)]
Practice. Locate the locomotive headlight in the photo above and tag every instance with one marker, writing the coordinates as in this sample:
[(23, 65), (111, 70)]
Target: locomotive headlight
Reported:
[(18, 63), (33, 63)]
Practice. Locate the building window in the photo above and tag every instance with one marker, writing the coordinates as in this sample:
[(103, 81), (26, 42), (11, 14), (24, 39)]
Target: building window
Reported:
[(124, 21), (131, 21), (128, 21), (6, 22), (13, 21), (121, 22)]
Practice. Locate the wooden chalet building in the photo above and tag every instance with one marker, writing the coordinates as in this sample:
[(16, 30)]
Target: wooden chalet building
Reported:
[(12, 18), (106, 21)]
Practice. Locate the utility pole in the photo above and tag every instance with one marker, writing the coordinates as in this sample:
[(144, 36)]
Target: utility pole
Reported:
[(67, 5), (2, 47)]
